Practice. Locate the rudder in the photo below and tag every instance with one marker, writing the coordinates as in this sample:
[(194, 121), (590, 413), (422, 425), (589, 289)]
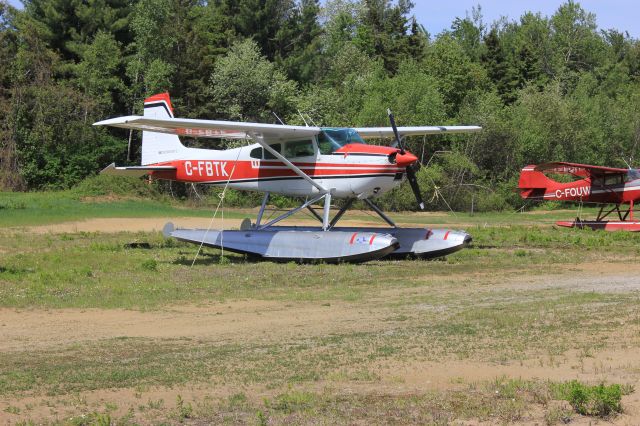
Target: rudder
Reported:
[(159, 147)]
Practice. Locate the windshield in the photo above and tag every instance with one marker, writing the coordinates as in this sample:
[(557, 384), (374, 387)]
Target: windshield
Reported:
[(330, 140), (633, 174)]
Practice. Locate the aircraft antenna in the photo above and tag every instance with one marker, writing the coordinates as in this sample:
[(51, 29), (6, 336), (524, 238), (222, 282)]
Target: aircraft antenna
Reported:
[(276, 115), (625, 162), (302, 116)]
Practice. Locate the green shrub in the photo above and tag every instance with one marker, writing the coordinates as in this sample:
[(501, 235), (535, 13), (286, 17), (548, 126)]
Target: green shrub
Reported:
[(104, 185), (600, 400), (292, 401), (150, 265), (490, 201)]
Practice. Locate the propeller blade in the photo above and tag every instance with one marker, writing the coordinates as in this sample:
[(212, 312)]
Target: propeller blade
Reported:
[(395, 130), (410, 170), (413, 181)]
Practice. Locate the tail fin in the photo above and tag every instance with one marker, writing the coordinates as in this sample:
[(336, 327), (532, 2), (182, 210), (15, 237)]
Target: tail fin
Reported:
[(533, 183), (159, 147)]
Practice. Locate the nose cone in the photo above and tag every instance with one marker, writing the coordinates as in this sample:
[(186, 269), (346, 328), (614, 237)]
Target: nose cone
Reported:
[(406, 159)]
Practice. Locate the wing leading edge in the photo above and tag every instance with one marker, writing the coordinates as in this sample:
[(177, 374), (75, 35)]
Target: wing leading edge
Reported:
[(241, 130), (209, 128), (577, 169), (387, 132)]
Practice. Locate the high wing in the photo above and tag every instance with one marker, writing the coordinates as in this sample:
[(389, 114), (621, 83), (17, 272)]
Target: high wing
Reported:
[(387, 132), (260, 133), (209, 128), (135, 171), (576, 169)]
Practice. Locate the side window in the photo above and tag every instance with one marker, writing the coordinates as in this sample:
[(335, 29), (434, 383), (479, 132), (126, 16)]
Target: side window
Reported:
[(276, 147), (295, 149), (256, 153), (613, 179)]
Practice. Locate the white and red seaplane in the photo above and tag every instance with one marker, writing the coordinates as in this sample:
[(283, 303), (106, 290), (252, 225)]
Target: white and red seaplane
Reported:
[(311, 162)]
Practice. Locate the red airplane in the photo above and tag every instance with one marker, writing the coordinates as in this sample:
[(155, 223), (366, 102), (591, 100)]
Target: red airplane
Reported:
[(594, 184)]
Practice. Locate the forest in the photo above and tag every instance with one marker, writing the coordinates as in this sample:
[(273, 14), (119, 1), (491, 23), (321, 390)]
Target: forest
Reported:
[(544, 88)]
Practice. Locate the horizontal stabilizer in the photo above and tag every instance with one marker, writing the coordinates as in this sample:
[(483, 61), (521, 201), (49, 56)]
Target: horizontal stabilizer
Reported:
[(135, 171)]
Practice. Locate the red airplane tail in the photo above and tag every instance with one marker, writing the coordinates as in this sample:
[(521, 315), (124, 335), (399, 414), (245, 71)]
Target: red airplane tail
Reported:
[(533, 184)]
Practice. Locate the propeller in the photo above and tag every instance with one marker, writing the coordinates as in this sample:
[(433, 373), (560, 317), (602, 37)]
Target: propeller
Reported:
[(411, 168)]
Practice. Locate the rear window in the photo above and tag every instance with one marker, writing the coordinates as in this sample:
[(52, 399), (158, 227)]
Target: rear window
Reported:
[(276, 147)]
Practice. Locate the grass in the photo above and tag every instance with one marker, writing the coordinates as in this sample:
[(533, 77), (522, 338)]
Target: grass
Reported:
[(42, 208), (507, 300), (502, 401), (99, 270), (30, 209)]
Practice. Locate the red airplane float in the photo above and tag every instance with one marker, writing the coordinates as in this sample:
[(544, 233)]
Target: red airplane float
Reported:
[(593, 184), (316, 163)]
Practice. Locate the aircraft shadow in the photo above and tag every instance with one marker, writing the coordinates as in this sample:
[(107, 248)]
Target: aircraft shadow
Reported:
[(186, 259)]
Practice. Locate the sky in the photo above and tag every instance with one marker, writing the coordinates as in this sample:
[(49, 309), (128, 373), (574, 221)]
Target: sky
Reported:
[(437, 15)]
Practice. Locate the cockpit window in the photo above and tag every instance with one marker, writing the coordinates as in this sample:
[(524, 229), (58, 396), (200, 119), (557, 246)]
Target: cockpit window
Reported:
[(329, 140)]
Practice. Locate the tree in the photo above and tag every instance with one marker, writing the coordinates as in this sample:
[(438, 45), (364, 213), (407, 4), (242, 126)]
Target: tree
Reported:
[(529, 51), (148, 67), (457, 75), (9, 167), (70, 24), (301, 56), (97, 72), (495, 62), (469, 33), (576, 44), (205, 36), (383, 32), (246, 86)]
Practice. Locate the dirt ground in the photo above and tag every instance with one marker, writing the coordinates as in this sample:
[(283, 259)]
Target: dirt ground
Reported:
[(267, 321), (271, 321)]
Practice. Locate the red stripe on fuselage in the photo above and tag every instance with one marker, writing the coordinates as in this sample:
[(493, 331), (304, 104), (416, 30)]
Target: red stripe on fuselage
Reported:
[(222, 170)]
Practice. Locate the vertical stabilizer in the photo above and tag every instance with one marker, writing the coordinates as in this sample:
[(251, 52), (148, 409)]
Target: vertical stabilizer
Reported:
[(533, 183), (159, 147)]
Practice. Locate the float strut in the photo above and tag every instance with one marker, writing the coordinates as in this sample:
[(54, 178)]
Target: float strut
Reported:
[(315, 213), (265, 200), (380, 213), (325, 215), (341, 212)]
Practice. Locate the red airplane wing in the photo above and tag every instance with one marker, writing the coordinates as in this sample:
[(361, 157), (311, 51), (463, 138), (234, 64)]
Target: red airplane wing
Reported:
[(582, 170)]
